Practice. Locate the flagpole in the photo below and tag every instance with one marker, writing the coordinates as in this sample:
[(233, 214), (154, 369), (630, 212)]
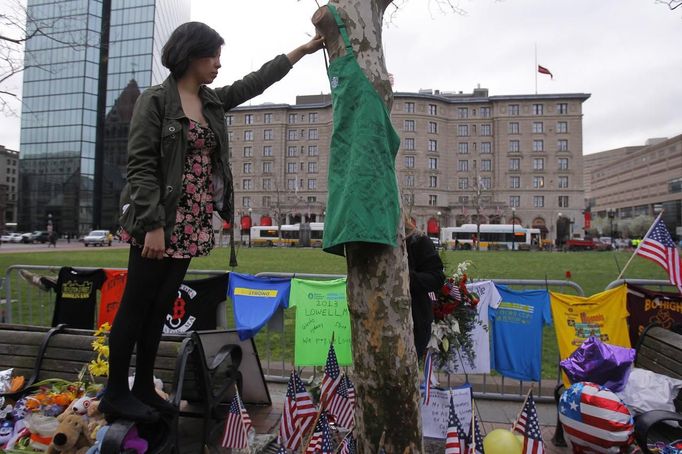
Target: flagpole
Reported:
[(638, 245), (472, 429), (323, 404), (521, 411), (535, 68), (241, 416)]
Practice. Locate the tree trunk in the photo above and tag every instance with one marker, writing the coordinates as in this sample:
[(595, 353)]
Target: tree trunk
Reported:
[(385, 368)]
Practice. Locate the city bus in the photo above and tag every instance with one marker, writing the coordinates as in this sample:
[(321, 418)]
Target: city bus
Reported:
[(286, 235), (492, 236)]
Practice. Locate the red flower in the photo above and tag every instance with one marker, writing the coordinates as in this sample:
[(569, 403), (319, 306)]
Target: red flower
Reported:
[(445, 290), (568, 274), (464, 278)]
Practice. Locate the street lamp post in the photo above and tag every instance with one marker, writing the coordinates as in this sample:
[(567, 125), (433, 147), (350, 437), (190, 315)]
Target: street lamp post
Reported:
[(250, 222), (611, 214), (439, 214), (513, 228), (558, 221)]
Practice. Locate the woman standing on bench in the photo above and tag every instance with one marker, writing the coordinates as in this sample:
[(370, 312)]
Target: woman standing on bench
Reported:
[(178, 174)]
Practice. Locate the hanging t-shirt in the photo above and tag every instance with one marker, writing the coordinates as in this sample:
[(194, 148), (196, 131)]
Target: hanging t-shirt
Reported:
[(195, 307), (517, 332), (255, 300), (650, 306), (321, 310), (110, 295), (76, 297), (489, 298), (577, 317)]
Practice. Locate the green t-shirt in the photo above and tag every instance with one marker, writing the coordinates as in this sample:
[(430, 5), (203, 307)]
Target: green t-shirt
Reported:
[(321, 309)]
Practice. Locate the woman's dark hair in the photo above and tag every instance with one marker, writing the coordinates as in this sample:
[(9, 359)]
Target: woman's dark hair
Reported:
[(188, 42)]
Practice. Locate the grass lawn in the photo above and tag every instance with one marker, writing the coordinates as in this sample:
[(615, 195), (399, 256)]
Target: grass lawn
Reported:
[(591, 270)]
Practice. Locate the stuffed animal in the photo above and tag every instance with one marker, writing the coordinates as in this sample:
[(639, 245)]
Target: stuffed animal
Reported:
[(80, 406), (6, 430), (99, 437), (131, 441), (70, 436), (96, 420)]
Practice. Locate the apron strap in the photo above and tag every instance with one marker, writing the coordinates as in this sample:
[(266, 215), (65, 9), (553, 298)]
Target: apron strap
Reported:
[(342, 28)]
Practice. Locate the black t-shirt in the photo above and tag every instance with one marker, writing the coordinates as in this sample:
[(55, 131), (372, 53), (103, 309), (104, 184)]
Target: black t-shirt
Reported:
[(195, 307), (77, 297)]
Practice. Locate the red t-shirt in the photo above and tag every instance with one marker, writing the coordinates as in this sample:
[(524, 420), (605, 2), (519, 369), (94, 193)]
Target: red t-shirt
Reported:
[(111, 294)]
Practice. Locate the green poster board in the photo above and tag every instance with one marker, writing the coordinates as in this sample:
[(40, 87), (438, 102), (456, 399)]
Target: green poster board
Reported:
[(321, 309)]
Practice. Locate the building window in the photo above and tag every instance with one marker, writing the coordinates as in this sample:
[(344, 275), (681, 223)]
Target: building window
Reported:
[(267, 134), (409, 107), (246, 184), (267, 201), (433, 163), (409, 181), (515, 164), (292, 134), (463, 130), (538, 201), (514, 146), (563, 163), (312, 150), (433, 145), (538, 145), (675, 185), (313, 134), (292, 118), (514, 201), (230, 120), (538, 127), (433, 109), (514, 110), (409, 125), (463, 112), (267, 184), (486, 147), (267, 118), (433, 181), (485, 112), (538, 182), (248, 152), (513, 127), (486, 183), (562, 108), (562, 127), (247, 167), (246, 202), (248, 119), (267, 151), (433, 200), (514, 182), (409, 143), (463, 148), (562, 145), (408, 199), (312, 167), (291, 167), (409, 162), (292, 152), (486, 130), (563, 182), (486, 165), (312, 117), (538, 109), (563, 201), (463, 183), (433, 127), (267, 167), (291, 184), (463, 165), (312, 183), (539, 164), (248, 136)]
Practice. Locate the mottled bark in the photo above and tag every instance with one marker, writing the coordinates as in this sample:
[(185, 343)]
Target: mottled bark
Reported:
[(385, 367)]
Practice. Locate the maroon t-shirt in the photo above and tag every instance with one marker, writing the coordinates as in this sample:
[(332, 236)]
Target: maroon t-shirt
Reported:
[(651, 306)]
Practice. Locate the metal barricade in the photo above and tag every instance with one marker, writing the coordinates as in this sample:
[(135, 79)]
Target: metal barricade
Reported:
[(660, 283)]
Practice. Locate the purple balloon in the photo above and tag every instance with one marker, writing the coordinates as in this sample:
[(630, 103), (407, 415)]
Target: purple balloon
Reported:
[(605, 364)]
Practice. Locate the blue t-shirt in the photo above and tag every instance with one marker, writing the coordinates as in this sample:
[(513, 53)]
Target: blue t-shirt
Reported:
[(517, 332), (255, 300)]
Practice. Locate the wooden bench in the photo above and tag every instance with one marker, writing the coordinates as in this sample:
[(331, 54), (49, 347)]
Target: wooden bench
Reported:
[(39, 353), (659, 350)]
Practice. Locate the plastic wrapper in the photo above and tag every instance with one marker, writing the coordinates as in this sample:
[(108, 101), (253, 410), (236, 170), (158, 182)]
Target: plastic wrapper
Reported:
[(604, 364), (646, 391), (5, 380)]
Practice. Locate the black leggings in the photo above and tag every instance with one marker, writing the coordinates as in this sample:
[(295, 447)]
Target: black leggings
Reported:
[(151, 288)]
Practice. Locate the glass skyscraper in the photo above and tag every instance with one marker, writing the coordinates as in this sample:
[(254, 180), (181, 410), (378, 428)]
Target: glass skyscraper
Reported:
[(59, 117)]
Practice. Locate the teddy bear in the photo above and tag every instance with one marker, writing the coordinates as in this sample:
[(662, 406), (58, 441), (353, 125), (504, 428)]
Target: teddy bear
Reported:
[(96, 420), (70, 436)]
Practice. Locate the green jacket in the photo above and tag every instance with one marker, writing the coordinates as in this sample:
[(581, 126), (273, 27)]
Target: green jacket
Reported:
[(158, 141)]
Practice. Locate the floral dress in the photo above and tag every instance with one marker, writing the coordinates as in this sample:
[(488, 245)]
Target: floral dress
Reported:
[(193, 232)]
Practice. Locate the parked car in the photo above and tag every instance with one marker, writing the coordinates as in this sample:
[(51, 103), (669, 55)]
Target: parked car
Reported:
[(15, 237), (27, 238), (98, 238), (6, 237), (40, 236)]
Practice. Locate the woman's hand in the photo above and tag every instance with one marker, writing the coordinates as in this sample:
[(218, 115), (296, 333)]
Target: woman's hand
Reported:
[(310, 47), (154, 244)]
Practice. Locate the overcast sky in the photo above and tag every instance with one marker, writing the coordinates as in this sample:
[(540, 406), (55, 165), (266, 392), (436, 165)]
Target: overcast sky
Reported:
[(625, 53)]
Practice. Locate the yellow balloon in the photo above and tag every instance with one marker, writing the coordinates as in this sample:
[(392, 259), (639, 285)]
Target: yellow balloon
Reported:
[(501, 441), (520, 438)]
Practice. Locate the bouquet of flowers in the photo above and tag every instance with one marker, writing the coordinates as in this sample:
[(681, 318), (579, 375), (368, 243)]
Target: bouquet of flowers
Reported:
[(455, 317)]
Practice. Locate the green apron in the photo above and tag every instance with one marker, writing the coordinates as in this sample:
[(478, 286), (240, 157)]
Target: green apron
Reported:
[(363, 202)]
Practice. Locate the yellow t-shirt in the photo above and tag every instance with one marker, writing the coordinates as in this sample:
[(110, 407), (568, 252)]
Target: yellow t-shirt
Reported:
[(576, 318)]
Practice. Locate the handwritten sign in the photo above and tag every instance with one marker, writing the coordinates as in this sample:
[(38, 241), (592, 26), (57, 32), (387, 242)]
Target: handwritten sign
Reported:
[(321, 309), (435, 414)]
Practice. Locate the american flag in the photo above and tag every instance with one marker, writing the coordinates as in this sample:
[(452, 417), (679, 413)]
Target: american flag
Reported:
[(658, 247), (456, 441), (349, 445), (237, 426), (321, 441), (527, 424), (428, 377), (342, 404), (282, 450), (475, 438), (332, 377), (455, 293), (298, 415)]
